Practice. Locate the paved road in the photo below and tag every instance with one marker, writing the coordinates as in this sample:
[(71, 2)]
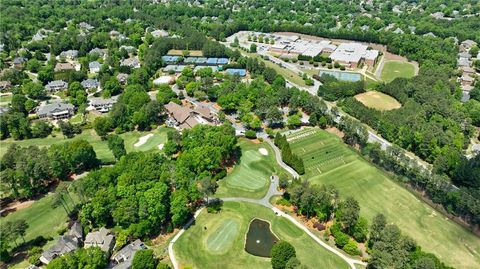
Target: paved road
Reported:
[(265, 201)]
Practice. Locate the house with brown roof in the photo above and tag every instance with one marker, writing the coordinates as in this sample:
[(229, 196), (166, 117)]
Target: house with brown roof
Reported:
[(185, 118), (61, 67)]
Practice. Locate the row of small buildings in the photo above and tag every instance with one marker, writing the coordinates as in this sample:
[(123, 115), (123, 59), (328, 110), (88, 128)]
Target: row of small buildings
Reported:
[(59, 110), (465, 65), (102, 238)]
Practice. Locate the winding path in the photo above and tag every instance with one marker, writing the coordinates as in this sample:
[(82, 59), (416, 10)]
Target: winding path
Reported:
[(265, 201)]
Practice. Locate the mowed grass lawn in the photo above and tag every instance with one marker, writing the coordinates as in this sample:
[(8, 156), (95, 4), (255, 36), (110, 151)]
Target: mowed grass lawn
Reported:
[(378, 100), (396, 69), (221, 244), (42, 218), (329, 161), (250, 177), (100, 146)]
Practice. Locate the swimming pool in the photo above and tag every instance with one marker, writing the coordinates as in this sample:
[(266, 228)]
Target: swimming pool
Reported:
[(347, 76)]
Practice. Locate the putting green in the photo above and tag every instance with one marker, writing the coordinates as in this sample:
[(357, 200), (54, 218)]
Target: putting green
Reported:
[(222, 239), (250, 176), (192, 248), (396, 69), (253, 172), (329, 161)]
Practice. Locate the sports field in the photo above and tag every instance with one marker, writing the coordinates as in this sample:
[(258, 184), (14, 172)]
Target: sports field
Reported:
[(329, 161), (378, 100), (395, 69), (250, 176), (218, 240)]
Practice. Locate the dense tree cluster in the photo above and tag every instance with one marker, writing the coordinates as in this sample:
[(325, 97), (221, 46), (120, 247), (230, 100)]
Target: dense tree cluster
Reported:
[(429, 122), (28, 171), (389, 248), (93, 258), (146, 192), (287, 155), (333, 89)]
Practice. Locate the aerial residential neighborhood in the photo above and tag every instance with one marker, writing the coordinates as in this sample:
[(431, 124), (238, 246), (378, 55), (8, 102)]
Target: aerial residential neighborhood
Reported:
[(240, 134)]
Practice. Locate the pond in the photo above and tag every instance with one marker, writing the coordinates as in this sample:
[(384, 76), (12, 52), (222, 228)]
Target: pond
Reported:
[(260, 239), (346, 76)]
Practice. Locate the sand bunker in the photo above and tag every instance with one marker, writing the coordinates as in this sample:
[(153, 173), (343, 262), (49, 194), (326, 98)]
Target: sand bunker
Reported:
[(142, 140), (263, 151)]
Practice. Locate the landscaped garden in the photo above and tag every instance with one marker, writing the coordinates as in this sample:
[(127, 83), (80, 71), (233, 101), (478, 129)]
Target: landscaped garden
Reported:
[(329, 161), (217, 240)]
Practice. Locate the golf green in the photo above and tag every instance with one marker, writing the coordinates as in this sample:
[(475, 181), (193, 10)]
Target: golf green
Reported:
[(192, 251), (329, 161), (250, 175), (222, 239)]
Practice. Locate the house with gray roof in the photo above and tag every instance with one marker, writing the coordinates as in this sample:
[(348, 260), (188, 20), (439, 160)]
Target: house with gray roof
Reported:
[(5, 85), (56, 85), (99, 52), (19, 62), (86, 26), (67, 243), (56, 110), (129, 49), (101, 104), (465, 55), (466, 45), (159, 33), (69, 54), (124, 257), (133, 62), (463, 62), (122, 78), (101, 238), (90, 84), (94, 67), (4, 109)]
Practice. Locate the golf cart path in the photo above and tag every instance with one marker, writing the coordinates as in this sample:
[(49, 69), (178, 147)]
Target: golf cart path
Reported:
[(265, 201)]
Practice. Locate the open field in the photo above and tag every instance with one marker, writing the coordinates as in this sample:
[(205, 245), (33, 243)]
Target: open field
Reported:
[(250, 176), (394, 69), (100, 146), (225, 231), (329, 161), (378, 100)]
